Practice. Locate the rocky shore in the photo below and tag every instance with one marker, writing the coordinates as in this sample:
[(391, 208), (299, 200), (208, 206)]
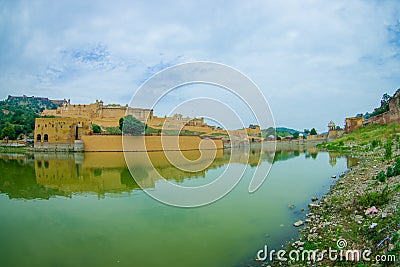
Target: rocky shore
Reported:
[(359, 218)]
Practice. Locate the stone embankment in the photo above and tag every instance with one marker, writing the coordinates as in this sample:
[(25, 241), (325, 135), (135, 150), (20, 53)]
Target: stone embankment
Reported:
[(358, 216)]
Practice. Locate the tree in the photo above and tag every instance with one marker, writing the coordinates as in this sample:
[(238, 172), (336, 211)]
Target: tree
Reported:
[(132, 126), (385, 98), (121, 123), (296, 135), (96, 128), (306, 131), (385, 102), (8, 132), (313, 131)]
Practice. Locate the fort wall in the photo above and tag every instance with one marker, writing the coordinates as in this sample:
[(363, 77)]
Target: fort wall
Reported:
[(148, 143)]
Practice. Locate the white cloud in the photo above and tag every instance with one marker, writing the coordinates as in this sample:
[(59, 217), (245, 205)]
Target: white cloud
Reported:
[(314, 60)]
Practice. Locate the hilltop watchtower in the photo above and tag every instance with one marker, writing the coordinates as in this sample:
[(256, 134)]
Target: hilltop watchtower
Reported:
[(331, 126), (334, 132)]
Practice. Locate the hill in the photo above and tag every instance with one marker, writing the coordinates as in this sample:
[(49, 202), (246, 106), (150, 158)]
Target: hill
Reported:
[(280, 131), (17, 114), (366, 138)]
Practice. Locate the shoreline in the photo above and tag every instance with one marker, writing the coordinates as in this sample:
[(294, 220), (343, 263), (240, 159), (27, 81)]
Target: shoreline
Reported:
[(342, 217)]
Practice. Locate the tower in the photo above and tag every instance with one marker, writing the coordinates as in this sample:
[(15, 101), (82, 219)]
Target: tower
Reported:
[(331, 126)]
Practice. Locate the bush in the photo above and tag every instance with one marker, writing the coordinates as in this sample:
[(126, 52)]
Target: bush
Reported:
[(113, 130), (396, 166), (96, 128), (388, 150), (374, 144), (381, 177), (375, 198), (390, 172)]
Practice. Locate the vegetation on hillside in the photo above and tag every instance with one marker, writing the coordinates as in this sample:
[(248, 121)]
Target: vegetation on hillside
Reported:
[(362, 207), (370, 137), (384, 107), (17, 115)]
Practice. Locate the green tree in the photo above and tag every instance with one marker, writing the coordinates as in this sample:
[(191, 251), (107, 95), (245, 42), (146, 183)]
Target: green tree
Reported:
[(121, 123), (313, 131), (296, 135), (306, 131), (385, 100), (19, 129), (96, 128), (8, 132), (132, 126)]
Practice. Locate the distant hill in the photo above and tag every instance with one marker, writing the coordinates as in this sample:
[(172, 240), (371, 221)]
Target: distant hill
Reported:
[(18, 113), (280, 131), (287, 130)]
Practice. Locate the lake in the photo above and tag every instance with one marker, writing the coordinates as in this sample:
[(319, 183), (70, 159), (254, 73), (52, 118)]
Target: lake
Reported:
[(85, 209)]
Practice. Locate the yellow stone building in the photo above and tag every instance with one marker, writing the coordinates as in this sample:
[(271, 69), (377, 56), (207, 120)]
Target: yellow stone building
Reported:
[(109, 116), (60, 133), (73, 121), (353, 123), (98, 113)]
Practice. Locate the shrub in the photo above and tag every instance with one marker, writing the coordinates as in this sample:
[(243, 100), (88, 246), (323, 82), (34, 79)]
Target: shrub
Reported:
[(113, 130), (374, 144), (396, 166), (375, 198), (381, 177), (390, 172), (96, 128), (388, 150)]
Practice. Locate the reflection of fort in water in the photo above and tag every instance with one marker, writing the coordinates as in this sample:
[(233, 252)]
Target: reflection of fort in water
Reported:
[(108, 172), (65, 174)]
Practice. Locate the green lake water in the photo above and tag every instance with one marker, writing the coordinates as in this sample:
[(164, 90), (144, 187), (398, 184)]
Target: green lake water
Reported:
[(86, 210)]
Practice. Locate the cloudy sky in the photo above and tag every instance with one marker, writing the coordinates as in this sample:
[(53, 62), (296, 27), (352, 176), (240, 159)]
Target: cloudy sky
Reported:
[(315, 61)]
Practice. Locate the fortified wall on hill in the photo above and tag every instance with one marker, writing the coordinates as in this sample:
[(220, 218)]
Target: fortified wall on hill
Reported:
[(390, 116), (25, 97)]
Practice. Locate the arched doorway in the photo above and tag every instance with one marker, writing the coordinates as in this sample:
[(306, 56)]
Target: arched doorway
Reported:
[(39, 138), (46, 138)]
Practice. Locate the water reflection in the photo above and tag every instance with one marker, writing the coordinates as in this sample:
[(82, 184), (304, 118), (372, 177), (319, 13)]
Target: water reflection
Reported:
[(45, 175)]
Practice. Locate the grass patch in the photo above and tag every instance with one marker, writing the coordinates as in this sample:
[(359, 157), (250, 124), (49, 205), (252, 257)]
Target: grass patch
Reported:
[(370, 136), (7, 149), (375, 198)]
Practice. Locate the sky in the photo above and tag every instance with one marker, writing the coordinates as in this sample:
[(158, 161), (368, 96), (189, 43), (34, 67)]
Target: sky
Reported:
[(314, 61)]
